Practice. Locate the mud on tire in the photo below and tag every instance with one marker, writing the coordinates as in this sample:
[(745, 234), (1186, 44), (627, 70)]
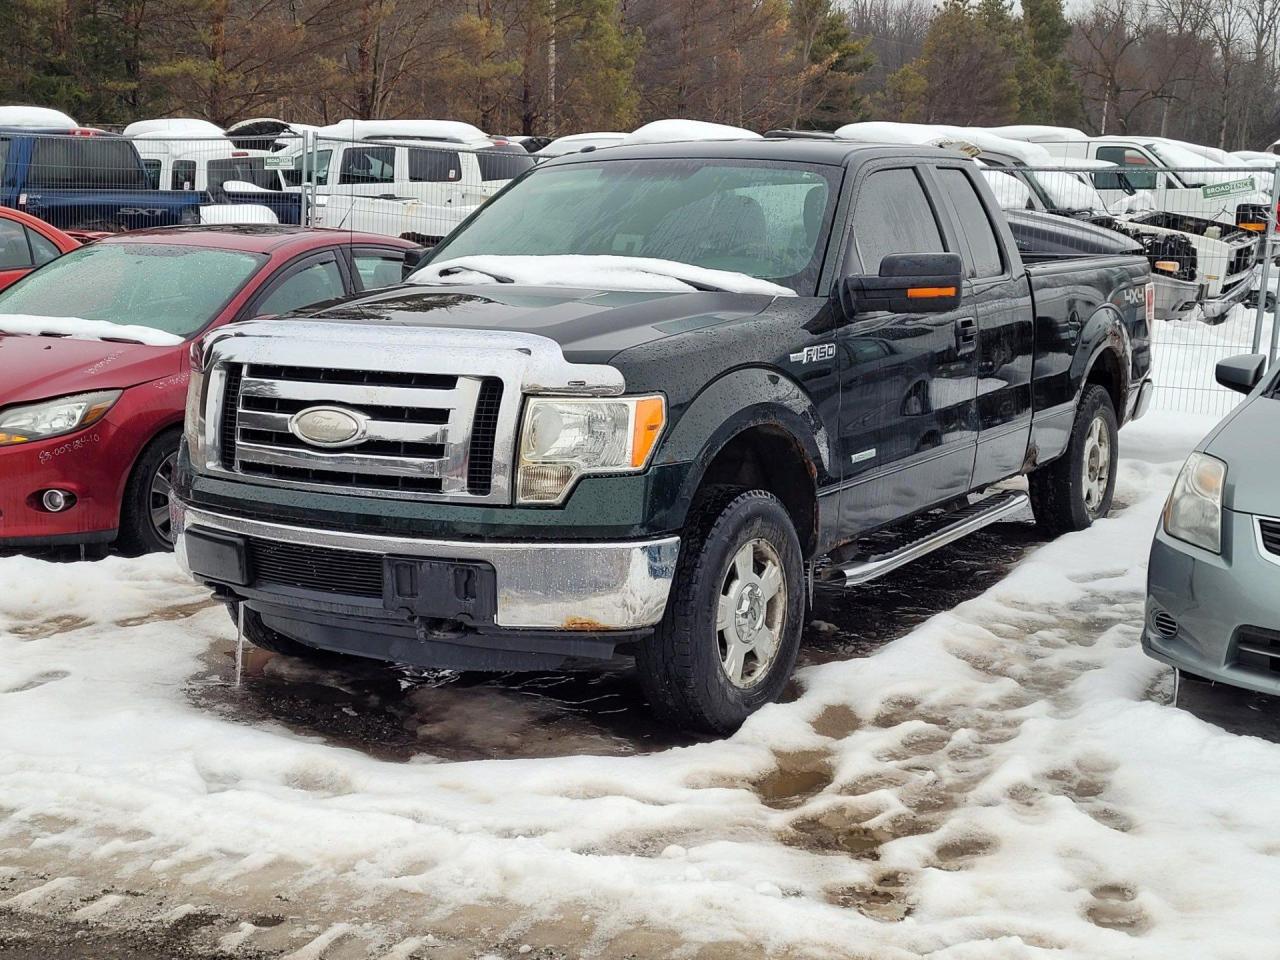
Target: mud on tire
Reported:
[(736, 609), (1077, 488)]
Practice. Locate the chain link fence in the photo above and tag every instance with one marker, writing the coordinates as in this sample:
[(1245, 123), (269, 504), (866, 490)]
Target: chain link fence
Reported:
[(1203, 229)]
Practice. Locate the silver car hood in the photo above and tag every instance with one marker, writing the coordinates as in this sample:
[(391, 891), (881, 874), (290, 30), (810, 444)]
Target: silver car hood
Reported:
[(1249, 442)]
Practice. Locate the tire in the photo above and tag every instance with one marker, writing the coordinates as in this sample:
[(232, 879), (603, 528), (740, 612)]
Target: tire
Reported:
[(723, 583), (1076, 489), (263, 637), (144, 512)]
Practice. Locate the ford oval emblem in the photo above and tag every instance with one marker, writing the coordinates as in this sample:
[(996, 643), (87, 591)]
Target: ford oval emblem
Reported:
[(329, 426)]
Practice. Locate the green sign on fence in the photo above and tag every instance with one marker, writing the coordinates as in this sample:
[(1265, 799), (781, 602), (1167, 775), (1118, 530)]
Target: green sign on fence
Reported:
[(278, 163), (1211, 191)]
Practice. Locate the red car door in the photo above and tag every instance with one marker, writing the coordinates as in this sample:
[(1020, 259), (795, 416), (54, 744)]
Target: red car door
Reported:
[(26, 243)]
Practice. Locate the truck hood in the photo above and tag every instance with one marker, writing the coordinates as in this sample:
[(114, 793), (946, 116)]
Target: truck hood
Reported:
[(39, 367), (591, 326), (1249, 442)]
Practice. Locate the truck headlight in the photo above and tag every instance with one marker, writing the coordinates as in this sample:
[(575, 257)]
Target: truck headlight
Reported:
[(52, 418), (563, 439), (193, 413), (1193, 512)]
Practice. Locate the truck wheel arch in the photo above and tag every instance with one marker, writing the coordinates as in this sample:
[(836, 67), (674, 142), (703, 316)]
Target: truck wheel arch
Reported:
[(1108, 356), (756, 429)]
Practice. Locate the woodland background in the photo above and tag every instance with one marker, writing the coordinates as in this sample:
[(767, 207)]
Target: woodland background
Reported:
[(1201, 70)]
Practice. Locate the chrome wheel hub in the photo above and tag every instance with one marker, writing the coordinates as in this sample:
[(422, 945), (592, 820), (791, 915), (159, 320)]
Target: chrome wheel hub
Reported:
[(751, 613), (158, 498), (1096, 469)]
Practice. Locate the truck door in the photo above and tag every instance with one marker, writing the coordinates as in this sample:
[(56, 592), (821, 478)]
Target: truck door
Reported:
[(907, 391), (436, 184), (1136, 167), (1006, 326)]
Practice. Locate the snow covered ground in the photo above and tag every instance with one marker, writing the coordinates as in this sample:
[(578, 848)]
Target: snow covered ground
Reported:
[(1005, 781)]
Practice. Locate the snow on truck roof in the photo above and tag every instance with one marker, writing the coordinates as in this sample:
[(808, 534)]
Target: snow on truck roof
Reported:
[(173, 127), (446, 130), (24, 116), (680, 131), (580, 141), (968, 140), (1039, 133)]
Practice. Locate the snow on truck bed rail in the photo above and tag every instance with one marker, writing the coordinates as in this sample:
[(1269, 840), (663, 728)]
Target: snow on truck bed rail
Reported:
[(598, 272), (77, 328)]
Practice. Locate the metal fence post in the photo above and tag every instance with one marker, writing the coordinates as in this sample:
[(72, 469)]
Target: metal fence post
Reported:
[(1264, 279), (307, 166)]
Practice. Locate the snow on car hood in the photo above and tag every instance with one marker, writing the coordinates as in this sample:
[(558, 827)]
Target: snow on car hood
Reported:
[(598, 272), (78, 328)]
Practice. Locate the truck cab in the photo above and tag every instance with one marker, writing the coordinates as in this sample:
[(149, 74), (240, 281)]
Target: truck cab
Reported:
[(643, 401)]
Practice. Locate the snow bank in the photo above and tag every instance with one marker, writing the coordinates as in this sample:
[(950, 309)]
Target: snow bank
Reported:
[(597, 272), (77, 328), (1001, 783), (679, 131)]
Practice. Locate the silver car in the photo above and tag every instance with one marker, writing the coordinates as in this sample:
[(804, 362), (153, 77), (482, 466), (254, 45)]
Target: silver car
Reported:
[(1213, 588)]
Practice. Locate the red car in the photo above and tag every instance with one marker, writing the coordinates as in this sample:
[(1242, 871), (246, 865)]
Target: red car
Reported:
[(94, 363), (27, 242)]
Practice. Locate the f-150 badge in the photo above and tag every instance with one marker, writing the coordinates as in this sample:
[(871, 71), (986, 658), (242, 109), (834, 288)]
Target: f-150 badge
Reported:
[(823, 351)]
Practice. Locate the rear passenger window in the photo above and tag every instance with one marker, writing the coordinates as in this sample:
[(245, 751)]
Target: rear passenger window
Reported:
[(42, 250), (893, 215), (975, 224), (14, 253), (368, 165), (184, 175), (434, 166), (379, 269)]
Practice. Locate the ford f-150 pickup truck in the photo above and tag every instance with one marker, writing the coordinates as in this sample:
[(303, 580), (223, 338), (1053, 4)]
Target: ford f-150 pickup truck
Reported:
[(642, 400)]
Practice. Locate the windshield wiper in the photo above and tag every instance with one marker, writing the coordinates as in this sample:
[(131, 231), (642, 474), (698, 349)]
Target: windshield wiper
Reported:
[(701, 285), (496, 276)]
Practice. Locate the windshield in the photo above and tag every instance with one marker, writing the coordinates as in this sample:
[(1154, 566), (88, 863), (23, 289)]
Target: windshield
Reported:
[(1180, 158), (759, 219), (173, 289)]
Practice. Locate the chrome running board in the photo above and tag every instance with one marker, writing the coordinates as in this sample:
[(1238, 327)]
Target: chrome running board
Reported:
[(953, 526)]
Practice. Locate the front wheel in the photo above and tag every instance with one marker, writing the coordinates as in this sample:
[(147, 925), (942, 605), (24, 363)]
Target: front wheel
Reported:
[(145, 526), (729, 638), (1076, 489)]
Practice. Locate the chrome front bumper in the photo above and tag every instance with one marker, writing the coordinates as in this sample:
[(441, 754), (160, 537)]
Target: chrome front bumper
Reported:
[(541, 586)]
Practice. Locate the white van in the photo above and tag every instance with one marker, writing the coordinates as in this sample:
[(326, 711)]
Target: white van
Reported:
[(416, 179)]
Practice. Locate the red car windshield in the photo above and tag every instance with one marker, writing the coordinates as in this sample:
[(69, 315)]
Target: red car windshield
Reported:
[(171, 288)]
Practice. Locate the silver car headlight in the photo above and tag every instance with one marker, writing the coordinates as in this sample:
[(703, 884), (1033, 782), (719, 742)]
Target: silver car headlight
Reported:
[(565, 438), (53, 418), (1193, 512)]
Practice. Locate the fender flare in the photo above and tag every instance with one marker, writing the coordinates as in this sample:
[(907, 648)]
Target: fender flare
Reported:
[(738, 401)]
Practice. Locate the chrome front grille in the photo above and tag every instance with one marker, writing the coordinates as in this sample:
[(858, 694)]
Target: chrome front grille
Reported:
[(438, 408), (422, 437)]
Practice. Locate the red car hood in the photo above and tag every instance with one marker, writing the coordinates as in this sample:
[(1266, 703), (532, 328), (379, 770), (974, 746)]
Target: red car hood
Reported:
[(36, 368)]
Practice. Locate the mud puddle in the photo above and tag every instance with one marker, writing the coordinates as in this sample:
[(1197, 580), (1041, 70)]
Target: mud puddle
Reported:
[(400, 713)]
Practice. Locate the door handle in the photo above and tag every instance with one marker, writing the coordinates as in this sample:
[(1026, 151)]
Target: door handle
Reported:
[(966, 335)]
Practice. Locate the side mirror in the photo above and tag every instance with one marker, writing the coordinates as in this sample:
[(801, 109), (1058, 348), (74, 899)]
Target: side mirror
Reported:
[(907, 283), (413, 259), (1241, 373)]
